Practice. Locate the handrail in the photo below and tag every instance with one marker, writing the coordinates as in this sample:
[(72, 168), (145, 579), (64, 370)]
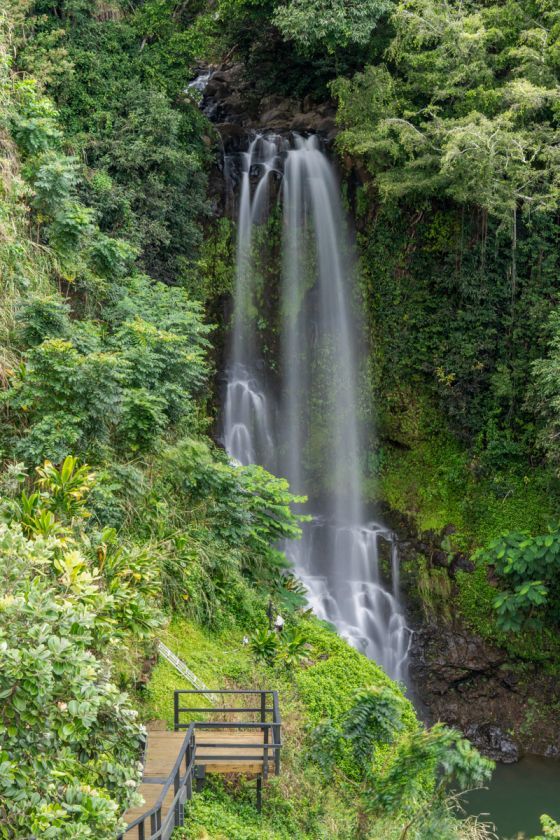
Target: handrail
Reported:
[(271, 728), (181, 783), (268, 748), (184, 670)]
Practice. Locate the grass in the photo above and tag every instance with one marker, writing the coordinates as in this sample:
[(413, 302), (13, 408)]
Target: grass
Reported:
[(299, 803), (220, 661)]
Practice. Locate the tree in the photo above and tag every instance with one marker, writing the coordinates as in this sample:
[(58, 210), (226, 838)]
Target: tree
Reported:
[(315, 24), (443, 116)]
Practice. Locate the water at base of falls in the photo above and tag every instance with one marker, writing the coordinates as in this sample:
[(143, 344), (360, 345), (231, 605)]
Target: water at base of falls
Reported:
[(306, 426)]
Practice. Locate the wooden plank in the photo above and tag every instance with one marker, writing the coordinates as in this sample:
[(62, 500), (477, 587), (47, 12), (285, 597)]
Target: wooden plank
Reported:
[(231, 738), (242, 768), (162, 752)]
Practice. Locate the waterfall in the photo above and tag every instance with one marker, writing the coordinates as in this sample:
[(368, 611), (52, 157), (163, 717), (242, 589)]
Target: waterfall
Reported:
[(304, 422)]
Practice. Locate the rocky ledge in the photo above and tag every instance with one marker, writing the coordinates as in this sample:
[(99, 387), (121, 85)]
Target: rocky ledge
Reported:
[(234, 106), (505, 705)]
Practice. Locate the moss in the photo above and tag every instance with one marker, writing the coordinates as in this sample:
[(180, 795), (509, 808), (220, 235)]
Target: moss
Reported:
[(327, 688), (437, 484), (218, 660)]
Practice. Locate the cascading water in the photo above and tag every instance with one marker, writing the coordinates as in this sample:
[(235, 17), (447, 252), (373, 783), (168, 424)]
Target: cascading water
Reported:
[(248, 428), (307, 427)]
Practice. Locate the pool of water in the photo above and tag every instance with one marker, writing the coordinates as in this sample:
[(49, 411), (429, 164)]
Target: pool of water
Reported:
[(517, 795)]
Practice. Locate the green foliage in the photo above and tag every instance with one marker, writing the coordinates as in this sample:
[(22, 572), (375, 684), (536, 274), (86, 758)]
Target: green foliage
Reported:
[(67, 399), (62, 773), (264, 644), (550, 828), (56, 509), (327, 688), (450, 756), (293, 647), (400, 770), (120, 389), (34, 122), (216, 814), (120, 88), (219, 525), (528, 566), (334, 26), (545, 394), (374, 719), (43, 317), (288, 647), (447, 118)]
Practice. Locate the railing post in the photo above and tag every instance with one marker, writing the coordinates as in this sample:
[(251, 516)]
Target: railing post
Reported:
[(141, 832), (176, 787), (176, 710), (277, 734), (265, 734), (189, 755)]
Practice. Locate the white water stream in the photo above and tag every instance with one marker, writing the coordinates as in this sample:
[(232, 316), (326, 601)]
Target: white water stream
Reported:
[(306, 426)]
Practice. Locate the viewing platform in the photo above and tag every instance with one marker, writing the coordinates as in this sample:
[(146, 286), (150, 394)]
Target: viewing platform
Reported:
[(230, 740)]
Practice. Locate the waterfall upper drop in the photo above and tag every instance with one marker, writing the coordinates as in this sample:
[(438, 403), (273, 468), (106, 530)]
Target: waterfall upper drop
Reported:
[(301, 419)]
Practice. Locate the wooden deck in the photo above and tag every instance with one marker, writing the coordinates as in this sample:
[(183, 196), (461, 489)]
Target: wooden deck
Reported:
[(241, 736), (163, 748)]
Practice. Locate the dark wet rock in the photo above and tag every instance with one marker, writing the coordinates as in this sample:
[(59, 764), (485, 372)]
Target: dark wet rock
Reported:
[(229, 98), (233, 135), (506, 708), (493, 742)]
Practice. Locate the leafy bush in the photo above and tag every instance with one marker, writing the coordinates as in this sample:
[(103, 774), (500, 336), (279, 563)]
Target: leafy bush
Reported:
[(83, 389), (529, 567), (399, 770), (69, 737), (264, 644), (293, 646)]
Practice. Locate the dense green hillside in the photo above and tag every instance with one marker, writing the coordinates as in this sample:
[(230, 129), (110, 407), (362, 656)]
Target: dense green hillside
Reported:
[(121, 520)]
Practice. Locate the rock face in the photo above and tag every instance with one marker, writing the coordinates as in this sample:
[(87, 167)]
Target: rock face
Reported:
[(506, 708), (505, 705), (231, 101)]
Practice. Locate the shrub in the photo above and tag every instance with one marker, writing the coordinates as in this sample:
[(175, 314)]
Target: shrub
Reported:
[(69, 737)]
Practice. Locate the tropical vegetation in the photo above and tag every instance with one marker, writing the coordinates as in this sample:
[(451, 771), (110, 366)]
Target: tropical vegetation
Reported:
[(120, 517)]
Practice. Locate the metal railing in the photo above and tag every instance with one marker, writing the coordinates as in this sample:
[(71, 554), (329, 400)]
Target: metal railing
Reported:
[(265, 708), (185, 671), (152, 825)]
